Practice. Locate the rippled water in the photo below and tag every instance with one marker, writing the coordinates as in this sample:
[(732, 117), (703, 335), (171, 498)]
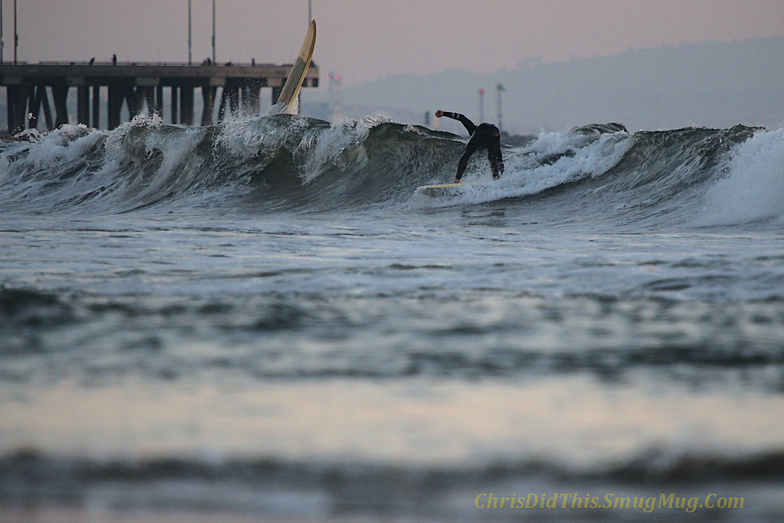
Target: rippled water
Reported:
[(265, 320)]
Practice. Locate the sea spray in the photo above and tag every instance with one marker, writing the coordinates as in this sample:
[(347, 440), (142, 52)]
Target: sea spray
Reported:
[(753, 188)]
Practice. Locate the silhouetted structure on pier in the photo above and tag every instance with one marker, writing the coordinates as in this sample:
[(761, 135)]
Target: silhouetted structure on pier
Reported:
[(29, 87)]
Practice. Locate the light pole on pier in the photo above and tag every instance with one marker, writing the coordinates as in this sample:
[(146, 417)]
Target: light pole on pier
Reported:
[(16, 35), (500, 90), (2, 43), (213, 32), (481, 105), (190, 34)]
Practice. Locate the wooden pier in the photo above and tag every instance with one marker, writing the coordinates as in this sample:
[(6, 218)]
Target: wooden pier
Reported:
[(38, 93)]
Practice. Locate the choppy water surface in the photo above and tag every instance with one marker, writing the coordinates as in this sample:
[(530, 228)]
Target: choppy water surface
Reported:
[(265, 320)]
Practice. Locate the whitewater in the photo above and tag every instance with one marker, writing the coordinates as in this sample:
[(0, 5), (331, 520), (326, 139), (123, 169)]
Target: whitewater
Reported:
[(263, 320)]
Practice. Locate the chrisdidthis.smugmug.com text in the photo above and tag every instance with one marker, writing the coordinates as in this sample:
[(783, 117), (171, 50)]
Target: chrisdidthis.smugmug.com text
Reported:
[(575, 501)]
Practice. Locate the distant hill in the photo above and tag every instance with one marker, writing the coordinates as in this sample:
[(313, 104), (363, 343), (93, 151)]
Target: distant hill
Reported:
[(715, 84)]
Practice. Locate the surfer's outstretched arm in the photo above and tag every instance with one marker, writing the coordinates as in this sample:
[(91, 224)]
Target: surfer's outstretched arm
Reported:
[(468, 124)]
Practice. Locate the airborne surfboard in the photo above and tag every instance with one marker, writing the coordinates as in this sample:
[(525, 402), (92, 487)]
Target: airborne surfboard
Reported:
[(290, 92)]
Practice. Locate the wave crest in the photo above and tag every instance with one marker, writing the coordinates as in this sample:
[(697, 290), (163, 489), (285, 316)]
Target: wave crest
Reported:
[(696, 175)]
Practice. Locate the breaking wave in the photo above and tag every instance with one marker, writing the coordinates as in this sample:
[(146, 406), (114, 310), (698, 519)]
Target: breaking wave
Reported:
[(286, 162)]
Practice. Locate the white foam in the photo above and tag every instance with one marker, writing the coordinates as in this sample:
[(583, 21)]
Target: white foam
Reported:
[(62, 146), (324, 148), (45, 160), (282, 109), (573, 157), (253, 137), (754, 189)]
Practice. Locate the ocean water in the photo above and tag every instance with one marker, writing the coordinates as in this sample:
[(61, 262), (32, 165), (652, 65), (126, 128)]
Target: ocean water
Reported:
[(263, 320)]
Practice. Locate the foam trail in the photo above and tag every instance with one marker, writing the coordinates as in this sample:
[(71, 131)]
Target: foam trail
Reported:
[(554, 159)]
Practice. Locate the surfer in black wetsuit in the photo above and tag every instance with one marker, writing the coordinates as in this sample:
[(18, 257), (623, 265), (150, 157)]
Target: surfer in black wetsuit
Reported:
[(485, 136)]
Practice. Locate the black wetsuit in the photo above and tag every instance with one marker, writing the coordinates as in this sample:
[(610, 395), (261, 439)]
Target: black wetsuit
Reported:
[(485, 136)]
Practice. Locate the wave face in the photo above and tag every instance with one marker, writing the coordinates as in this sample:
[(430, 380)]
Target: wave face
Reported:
[(285, 162)]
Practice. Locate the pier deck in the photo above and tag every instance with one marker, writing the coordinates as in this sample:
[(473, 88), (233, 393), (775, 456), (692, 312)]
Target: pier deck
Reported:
[(31, 87)]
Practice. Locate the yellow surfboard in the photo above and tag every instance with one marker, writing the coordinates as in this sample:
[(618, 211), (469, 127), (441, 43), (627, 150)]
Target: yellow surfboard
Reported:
[(443, 189), (288, 96)]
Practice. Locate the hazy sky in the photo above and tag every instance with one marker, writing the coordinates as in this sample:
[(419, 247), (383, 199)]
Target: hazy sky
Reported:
[(366, 40)]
